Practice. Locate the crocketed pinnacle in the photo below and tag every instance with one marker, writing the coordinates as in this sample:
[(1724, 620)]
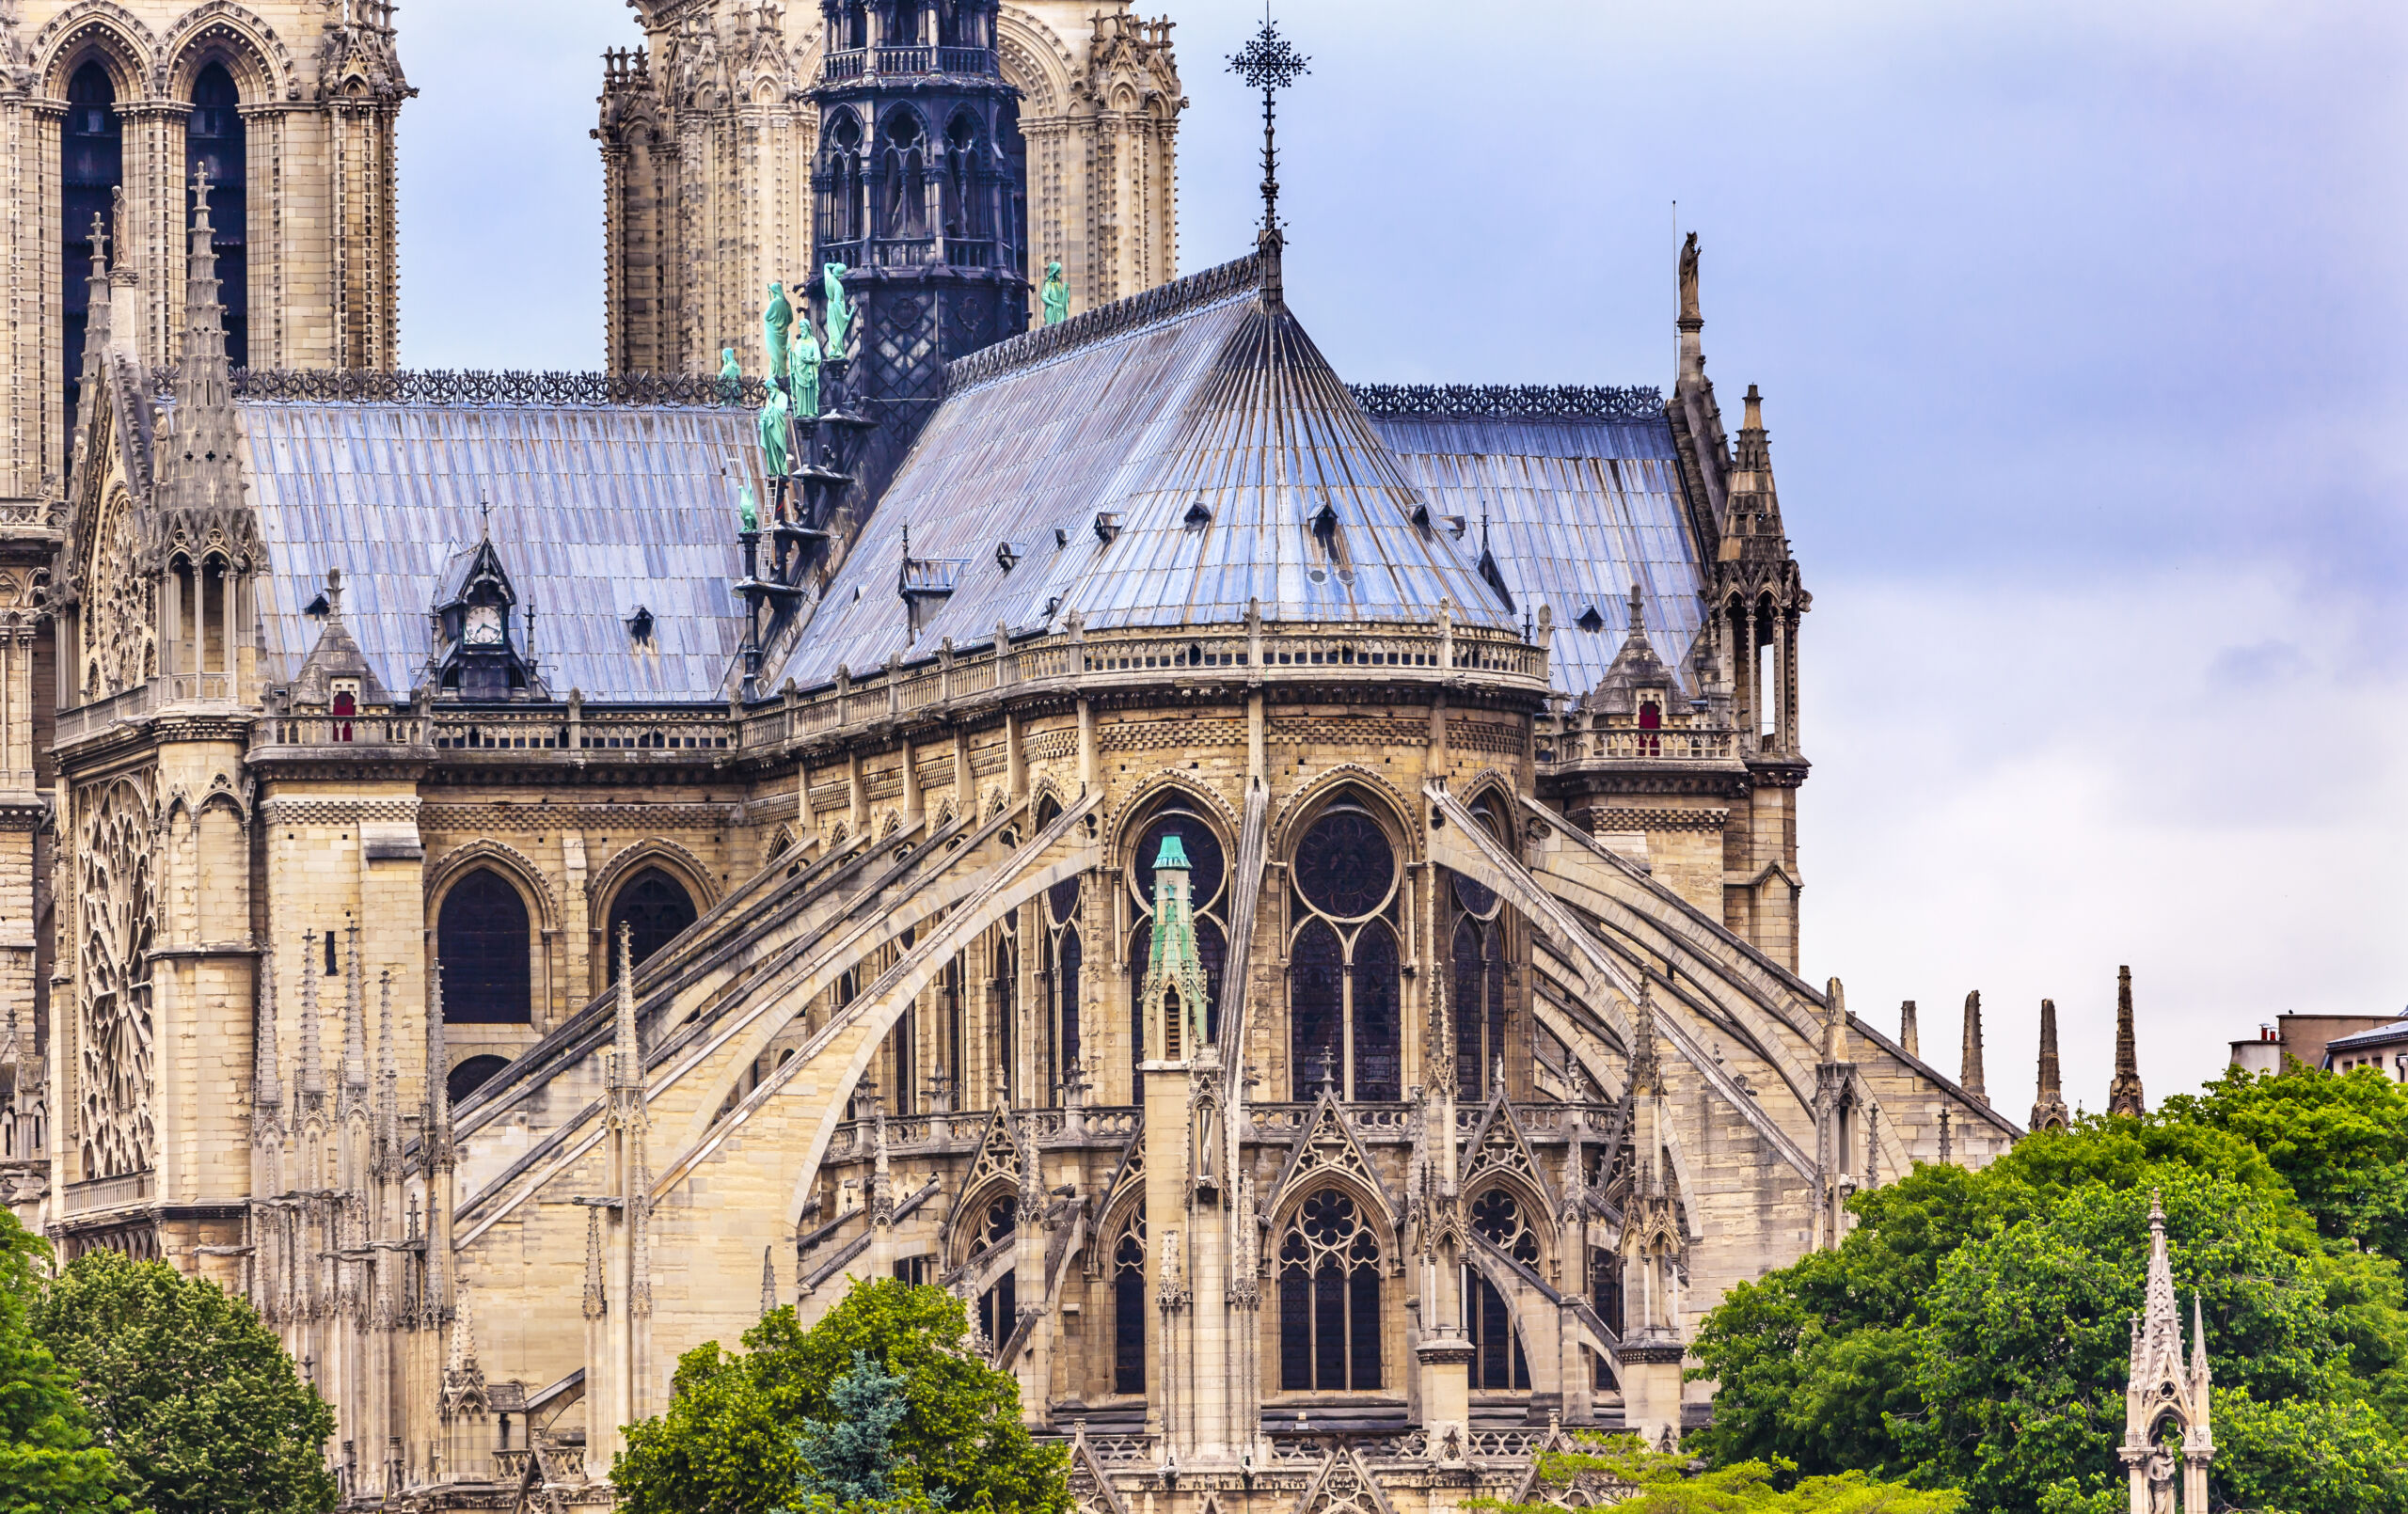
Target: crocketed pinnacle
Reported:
[(354, 1017), (627, 1066), (1909, 1035), (439, 1065), (2049, 1109), (2124, 1092), (313, 1070), (267, 1086), (1646, 1074), (1972, 1078), (1834, 1022)]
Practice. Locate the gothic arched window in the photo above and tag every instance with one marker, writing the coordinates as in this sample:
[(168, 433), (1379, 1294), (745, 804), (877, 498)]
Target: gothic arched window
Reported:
[(656, 907), (1064, 957), (1208, 894), (214, 143), (91, 165), (1329, 1299), (481, 938), (1345, 988), (1129, 1310), (903, 201)]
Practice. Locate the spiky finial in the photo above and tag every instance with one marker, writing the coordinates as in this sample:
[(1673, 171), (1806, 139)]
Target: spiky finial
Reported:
[(1972, 1078), (2124, 1093), (626, 1066), (267, 1088), (1269, 64), (769, 1281), (313, 1072), (1646, 1074), (2049, 1106)]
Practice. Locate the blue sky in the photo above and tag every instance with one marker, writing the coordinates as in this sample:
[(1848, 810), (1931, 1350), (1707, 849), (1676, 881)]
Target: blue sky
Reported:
[(2080, 330)]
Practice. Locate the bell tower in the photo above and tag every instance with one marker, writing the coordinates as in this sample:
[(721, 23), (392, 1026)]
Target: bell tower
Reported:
[(921, 191)]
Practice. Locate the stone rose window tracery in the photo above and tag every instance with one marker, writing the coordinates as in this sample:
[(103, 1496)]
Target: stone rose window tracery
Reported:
[(116, 916), (121, 633), (1329, 1299)]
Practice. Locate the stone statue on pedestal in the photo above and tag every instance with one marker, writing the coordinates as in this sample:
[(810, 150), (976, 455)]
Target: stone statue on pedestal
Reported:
[(777, 316), (1056, 293), (731, 377), (804, 367), (840, 311), (775, 420)]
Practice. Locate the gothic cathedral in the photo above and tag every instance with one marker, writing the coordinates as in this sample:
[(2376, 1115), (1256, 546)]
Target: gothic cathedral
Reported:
[(965, 755)]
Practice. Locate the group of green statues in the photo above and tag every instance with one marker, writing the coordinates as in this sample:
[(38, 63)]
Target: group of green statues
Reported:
[(795, 355)]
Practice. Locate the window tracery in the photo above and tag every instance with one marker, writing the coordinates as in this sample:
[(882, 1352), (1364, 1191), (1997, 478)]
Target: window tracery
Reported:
[(1330, 1297), (121, 631), (481, 940), (1064, 957), (656, 907), (118, 911), (1345, 982), (1128, 1309), (1208, 894)]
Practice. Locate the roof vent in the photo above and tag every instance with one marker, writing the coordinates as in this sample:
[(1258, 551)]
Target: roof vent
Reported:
[(640, 624), (1007, 554), (1198, 514), (1456, 526), (1421, 515), (1061, 536), (318, 607), (1590, 620), (1325, 520), (1107, 525)]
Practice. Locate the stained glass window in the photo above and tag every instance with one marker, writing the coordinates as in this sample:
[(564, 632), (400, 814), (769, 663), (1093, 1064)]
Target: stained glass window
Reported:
[(1345, 866), (481, 938), (1379, 1067), (1329, 1299), (91, 147), (1498, 1363), (1129, 1312), (658, 909), (214, 141), (1316, 1009), (1346, 985)]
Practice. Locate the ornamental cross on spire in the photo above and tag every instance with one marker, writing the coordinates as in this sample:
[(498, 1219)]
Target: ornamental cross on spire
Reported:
[(1269, 64)]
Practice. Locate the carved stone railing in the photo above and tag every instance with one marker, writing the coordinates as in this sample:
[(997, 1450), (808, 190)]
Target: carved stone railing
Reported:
[(1510, 401), (403, 730), (510, 1466), (90, 719), (1273, 652), (580, 727), (445, 387), (1564, 741), (108, 1193)]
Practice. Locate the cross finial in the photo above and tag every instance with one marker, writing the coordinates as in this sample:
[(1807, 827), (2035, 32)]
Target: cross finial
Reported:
[(1269, 64), (485, 519)]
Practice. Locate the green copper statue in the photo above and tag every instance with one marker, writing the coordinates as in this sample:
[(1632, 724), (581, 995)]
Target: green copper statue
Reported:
[(775, 318), (1056, 294), (840, 311), (731, 376), (775, 418), (745, 510), (805, 368)]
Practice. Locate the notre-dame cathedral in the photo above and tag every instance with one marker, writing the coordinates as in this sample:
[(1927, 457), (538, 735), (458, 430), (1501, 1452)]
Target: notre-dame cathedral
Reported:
[(1281, 894)]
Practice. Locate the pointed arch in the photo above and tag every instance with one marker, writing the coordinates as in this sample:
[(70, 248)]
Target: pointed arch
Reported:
[(1034, 60), (224, 32), (513, 863), (1377, 795), (652, 851), (100, 29)]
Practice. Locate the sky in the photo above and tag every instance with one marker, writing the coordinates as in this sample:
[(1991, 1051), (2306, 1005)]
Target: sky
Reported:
[(2081, 332)]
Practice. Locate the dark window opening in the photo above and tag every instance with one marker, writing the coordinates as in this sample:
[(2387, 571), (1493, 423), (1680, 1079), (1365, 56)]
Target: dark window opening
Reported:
[(657, 908), (1329, 1299), (1345, 866), (482, 940), (1378, 1016), (469, 1076), (214, 143), (91, 151), (1316, 1015), (1129, 1313), (998, 1309), (1498, 1363)]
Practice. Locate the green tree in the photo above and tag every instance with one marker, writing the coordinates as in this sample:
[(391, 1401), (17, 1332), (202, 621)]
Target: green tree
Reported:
[(845, 1460), (189, 1388), (728, 1443), (48, 1463), (1649, 1482), (2341, 1143), (1970, 1330)]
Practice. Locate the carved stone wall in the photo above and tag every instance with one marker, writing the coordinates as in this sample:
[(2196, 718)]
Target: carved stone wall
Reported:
[(319, 84), (706, 148)]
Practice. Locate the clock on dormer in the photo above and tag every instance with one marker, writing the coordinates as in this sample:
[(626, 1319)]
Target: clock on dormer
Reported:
[(483, 627)]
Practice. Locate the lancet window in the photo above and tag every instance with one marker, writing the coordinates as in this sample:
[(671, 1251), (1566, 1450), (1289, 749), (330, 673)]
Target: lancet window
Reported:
[(903, 175), (1128, 1309), (1480, 975), (481, 938), (1330, 1297), (657, 909), (91, 152), (1344, 976), (1063, 958), (215, 144), (1497, 1362), (842, 200), (1208, 891)]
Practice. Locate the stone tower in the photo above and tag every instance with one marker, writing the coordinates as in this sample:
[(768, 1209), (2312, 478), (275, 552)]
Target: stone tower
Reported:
[(710, 136), (108, 111)]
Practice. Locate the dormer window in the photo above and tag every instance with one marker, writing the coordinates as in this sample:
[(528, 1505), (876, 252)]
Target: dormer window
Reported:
[(1650, 720), (343, 706), (480, 637)]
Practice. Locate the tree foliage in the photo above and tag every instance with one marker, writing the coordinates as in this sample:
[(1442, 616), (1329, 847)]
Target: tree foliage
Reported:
[(1648, 1482), (48, 1463), (2341, 1143), (1972, 1330), (189, 1388), (742, 1429)]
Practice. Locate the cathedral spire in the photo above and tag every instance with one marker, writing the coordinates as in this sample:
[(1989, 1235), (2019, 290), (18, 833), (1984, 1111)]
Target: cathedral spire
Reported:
[(1972, 1076), (2049, 1109), (1269, 64), (2124, 1093)]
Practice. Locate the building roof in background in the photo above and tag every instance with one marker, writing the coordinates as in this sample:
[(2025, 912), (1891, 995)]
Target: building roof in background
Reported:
[(595, 512), (1208, 430), (1578, 505)]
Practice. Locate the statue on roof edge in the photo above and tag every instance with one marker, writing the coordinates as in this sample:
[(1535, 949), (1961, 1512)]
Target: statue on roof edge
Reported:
[(840, 311), (775, 418), (1056, 293), (731, 377), (776, 318), (803, 368)]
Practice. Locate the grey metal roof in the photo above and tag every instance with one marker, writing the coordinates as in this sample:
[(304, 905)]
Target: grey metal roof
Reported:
[(1578, 507), (595, 512), (1217, 400), (2372, 1037)]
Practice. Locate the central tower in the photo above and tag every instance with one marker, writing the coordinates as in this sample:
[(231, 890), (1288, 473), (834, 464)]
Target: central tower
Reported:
[(919, 188)]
